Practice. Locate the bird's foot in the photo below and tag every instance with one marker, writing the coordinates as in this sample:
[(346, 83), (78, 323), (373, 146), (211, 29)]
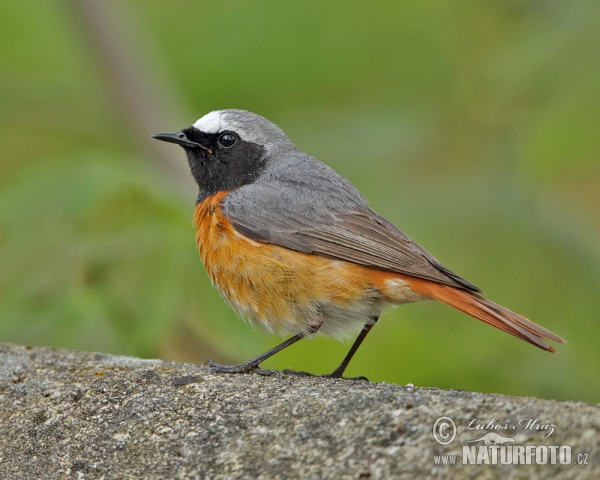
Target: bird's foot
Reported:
[(334, 374), (214, 367)]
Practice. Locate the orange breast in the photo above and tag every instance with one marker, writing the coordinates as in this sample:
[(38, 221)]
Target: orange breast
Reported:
[(282, 289)]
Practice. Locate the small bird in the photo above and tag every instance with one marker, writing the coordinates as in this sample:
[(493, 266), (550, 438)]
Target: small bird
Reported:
[(294, 247)]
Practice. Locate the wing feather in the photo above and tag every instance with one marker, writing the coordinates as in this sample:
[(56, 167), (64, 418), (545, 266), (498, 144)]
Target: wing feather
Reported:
[(353, 233)]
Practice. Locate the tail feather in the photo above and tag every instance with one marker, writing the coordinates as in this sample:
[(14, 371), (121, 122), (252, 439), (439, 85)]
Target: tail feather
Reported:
[(524, 322), (489, 312)]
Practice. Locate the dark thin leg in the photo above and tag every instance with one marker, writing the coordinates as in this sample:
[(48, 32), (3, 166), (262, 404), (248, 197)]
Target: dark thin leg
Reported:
[(339, 371), (252, 365)]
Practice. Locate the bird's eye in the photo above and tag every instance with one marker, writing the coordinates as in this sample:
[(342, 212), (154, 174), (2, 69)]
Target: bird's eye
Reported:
[(227, 140)]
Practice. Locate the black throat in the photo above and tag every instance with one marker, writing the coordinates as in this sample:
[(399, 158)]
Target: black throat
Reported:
[(225, 168)]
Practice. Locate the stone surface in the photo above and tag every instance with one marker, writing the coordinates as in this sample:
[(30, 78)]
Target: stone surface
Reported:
[(80, 415)]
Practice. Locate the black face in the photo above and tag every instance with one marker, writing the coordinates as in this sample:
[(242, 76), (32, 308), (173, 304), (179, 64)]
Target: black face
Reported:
[(226, 161)]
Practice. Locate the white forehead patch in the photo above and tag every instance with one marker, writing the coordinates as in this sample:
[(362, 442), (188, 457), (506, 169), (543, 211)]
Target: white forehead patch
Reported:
[(212, 122)]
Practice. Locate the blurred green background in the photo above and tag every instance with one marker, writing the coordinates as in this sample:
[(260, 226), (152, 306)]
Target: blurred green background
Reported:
[(473, 126)]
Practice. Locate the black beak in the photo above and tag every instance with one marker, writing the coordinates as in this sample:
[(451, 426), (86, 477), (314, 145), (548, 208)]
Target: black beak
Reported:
[(176, 137)]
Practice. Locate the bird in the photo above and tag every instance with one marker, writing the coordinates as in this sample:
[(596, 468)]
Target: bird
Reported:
[(294, 247)]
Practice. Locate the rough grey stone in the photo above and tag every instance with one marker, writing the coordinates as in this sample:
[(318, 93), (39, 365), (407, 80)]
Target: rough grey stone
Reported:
[(79, 415)]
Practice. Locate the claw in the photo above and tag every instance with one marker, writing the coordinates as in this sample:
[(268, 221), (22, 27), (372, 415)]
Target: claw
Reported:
[(214, 367), (329, 375), (298, 374), (266, 373)]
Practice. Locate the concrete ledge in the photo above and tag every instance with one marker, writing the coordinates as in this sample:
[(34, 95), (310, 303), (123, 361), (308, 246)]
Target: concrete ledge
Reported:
[(80, 415)]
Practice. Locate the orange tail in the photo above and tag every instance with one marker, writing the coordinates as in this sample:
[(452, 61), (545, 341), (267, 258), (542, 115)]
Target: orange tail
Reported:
[(489, 312)]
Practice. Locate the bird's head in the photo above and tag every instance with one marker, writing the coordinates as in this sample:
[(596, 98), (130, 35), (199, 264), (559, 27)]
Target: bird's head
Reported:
[(228, 148)]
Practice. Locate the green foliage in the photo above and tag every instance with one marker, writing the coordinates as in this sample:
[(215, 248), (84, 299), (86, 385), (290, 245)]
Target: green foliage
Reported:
[(471, 125)]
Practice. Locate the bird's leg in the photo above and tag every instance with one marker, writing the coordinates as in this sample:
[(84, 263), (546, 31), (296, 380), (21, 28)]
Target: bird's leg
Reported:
[(339, 371), (251, 366)]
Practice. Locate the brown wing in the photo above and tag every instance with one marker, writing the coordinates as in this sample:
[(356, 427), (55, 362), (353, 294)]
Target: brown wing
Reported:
[(358, 236)]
